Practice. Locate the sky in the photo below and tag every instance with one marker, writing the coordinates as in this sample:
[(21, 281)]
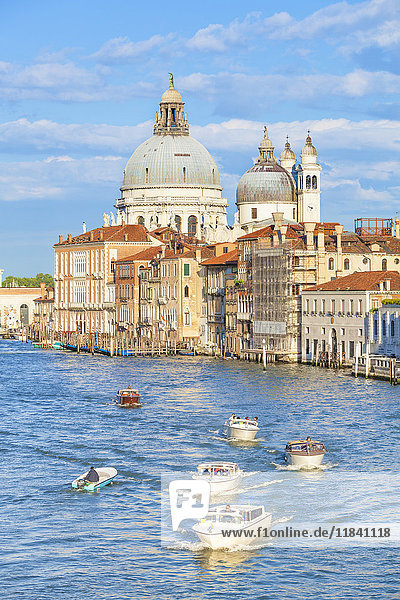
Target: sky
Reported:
[(80, 83)]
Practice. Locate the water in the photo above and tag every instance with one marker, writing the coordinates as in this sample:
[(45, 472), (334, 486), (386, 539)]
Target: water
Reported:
[(57, 419)]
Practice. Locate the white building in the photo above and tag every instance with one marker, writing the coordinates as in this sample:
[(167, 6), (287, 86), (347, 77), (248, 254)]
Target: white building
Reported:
[(383, 334), (269, 187), (172, 180), (17, 307), (337, 314)]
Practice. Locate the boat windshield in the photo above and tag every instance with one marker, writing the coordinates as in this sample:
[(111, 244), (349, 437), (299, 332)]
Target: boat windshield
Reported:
[(224, 518), (216, 471)]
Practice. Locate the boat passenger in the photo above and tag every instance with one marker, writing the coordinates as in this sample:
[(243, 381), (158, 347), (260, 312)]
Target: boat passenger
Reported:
[(308, 439), (92, 475)]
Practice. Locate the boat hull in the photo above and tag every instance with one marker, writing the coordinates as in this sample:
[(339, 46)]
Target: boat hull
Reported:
[(305, 461), (222, 485), (237, 538), (128, 401), (242, 433)]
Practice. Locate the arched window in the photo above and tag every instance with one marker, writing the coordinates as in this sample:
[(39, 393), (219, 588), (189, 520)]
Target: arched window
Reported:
[(186, 317), (24, 314), (314, 182), (346, 264), (392, 328), (213, 175), (147, 175), (308, 182), (184, 174), (178, 222), (384, 264), (294, 214), (140, 220), (383, 327), (330, 264), (186, 291), (192, 226)]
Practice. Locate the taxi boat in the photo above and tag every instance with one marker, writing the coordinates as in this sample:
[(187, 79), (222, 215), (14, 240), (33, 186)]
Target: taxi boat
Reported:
[(222, 476), (306, 453), (242, 429), (228, 526), (128, 397), (106, 476)]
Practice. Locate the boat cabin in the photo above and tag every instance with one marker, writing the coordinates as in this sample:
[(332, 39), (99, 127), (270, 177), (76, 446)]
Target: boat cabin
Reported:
[(305, 446), (218, 469)]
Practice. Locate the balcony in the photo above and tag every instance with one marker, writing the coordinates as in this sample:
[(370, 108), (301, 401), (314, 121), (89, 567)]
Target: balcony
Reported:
[(162, 300), (216, 291), (245, 316)]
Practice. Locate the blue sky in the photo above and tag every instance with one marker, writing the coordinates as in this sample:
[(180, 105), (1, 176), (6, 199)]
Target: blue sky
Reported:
[(80, 83)]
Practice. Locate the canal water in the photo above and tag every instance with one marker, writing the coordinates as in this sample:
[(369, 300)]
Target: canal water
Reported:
[(57, 418)]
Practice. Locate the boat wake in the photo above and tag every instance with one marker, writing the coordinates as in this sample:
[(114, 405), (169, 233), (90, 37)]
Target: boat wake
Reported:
[(259, 486), (324, 467)]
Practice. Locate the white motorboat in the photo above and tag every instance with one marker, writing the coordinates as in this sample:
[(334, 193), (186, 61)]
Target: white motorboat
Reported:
[(222, 476), (106, 475), (230, 526), (306, 454), (242, 429)]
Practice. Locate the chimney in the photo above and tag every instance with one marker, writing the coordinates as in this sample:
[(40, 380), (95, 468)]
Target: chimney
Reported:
[(83, 227), (397, 228), (163, 251), (309, 231), (69, 238), (60, 239), (125, 237), (101, 233), (92, 235), (43, 290), (198, 254), (339, 231), (278, 219), (284, 229)]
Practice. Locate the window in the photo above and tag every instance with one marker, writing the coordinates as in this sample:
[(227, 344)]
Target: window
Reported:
[(384, 327), (186, 291), (351, 349), (323, 330), (140, 220), (254, 213), (346, 264), (342, 331), (360, 332), (225, 249), (294, 214), (323, 306), (307, 330), (343, 305), (384, 265), (375, 328), (186, 270), (333, 307), (213, 176), (330, 264), (187, 317), (192, 226), (360, 306), (307, 346), (307, 306), (314, 182), (184, 174), (315, 305), (308, 182), (147, 175), (392, 328), (178, 222)]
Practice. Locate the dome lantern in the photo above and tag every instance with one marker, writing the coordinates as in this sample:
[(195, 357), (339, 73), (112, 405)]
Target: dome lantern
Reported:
[(288, 157), (172, 118), (266, 149), (309, 152)]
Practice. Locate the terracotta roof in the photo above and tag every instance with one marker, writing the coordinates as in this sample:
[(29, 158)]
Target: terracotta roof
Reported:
[(146, 254), (222, 259), (360, 281), (116, 233)]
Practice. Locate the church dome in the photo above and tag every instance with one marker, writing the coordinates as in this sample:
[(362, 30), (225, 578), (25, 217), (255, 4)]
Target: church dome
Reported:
[(266, 183), (171, 160), (287, 153), (171, 95)]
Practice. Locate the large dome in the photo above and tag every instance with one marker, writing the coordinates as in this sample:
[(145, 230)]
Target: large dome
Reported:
[(266, 182), (171, 160)]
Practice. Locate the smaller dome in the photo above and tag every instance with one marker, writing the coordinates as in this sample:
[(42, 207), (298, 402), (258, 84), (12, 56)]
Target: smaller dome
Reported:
[(308, 148), (287, 153), (171, 95)]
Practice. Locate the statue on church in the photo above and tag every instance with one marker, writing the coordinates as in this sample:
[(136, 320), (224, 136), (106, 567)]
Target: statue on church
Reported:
[(112, 219), (171, 80), (106, 220)]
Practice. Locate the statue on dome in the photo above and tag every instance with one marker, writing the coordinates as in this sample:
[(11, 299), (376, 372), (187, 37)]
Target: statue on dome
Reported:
[(171, 80)]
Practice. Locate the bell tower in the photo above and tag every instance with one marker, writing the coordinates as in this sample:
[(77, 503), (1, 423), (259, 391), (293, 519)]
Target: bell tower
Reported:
[(309, 191)]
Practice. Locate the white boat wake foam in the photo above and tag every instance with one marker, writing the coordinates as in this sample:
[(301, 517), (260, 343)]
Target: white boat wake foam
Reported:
[(323, 467)]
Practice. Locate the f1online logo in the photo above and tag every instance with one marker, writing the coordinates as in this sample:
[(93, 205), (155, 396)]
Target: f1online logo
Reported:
[(188, 499)]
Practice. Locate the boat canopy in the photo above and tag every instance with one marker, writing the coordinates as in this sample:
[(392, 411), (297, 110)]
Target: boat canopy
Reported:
[(221, 468)]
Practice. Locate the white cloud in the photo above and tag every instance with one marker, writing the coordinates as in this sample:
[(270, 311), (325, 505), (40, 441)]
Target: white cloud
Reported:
[(122, 49)]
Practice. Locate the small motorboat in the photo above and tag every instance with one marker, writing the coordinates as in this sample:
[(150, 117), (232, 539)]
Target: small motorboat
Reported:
[(222, 476), (128, 397), (186, 352), (237, 525), (305, 453), (242, 429), (106, 476)]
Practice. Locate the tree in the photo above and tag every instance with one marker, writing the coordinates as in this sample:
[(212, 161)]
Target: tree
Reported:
[(13, 281)]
